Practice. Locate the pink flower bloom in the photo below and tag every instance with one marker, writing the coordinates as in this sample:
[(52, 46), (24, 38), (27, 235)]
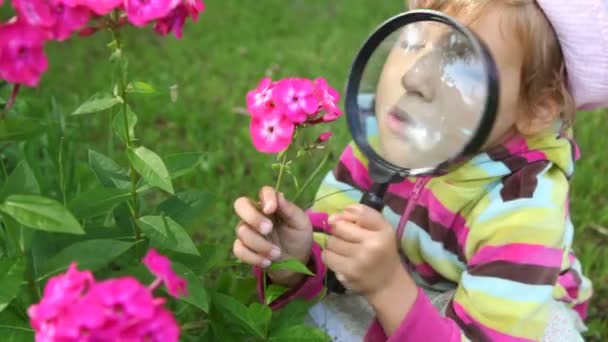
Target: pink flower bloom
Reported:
[(69, 19), (126, 297), (295, 97), (259, 100), (22, 58), (160, 266), (162, 327), (100, 7), (324, 137), (35, 12), (60, 295), (141, 12), (194, 7), (174, 22), (328, 97), (271, 133)]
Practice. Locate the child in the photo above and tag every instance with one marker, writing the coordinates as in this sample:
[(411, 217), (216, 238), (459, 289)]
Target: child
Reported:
[(486, 252)]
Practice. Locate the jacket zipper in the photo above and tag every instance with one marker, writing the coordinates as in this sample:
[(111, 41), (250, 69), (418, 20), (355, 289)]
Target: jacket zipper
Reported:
[(415, 194)]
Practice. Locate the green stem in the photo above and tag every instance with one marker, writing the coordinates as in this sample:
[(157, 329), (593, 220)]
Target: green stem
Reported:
[(61, 176), (311, 178), (122, 89), (282, 163)]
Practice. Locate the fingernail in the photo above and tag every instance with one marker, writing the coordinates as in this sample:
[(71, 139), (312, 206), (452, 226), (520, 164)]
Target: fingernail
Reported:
[(275, 253), (265, 263), (281, 196), (332, 219), (266, 207), (265, 227)]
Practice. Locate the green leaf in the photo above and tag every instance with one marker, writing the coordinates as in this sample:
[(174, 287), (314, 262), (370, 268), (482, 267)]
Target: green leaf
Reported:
[(301, 332), (138, 87), (108, 172), (151, 168), (89, 254), (166, 233), (180, 164), (292, 265), (13, 129), (186, 207), (11, 276), (273, 292), (97, 103), (21, 181), (236, 313), (293, 313), (41, 213), (97, 202), (197, 295), (14, 328), (260, 315), (119, 124)]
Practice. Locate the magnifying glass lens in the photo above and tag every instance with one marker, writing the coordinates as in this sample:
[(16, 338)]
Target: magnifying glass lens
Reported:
[(422, 95)]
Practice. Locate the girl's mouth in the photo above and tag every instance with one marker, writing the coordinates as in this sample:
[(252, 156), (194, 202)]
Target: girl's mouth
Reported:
[(397, 121)]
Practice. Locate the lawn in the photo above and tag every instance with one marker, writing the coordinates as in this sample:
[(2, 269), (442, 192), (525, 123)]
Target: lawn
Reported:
[(224, 55)]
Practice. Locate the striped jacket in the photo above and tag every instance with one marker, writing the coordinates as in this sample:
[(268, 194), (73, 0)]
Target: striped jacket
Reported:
[(497, 226)]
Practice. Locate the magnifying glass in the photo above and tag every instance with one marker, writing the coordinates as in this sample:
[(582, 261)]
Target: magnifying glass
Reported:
[(422, 94)]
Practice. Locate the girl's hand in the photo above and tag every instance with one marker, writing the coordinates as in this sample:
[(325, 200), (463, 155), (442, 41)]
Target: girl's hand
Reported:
[(260, 241), (362, 250)]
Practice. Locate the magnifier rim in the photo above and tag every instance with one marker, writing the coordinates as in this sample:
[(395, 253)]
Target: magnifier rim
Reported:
[(365, 53)]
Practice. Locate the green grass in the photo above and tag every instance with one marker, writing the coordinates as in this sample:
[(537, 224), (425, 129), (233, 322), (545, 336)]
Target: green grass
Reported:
[(224, 55)]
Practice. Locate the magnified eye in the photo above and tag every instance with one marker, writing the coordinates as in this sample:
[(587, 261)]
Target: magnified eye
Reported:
[(458, 46)]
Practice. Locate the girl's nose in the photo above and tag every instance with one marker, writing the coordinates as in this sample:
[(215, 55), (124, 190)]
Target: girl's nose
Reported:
[(420, 79)]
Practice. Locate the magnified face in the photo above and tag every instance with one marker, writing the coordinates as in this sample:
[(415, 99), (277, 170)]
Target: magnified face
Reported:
[(423, 93)]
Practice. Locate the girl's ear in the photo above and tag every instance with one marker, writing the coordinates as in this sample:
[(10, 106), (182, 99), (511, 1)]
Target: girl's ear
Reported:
[(539, 117)]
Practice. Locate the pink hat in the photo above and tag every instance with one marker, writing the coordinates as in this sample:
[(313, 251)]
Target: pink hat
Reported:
[(582, 30)]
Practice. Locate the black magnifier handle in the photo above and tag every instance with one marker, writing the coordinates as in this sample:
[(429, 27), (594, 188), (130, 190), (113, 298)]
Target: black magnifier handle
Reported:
[(373, 199)]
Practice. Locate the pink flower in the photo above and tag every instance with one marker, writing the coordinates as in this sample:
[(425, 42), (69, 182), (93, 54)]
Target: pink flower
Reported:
[(126, 297), (259, 100), (141, 12), (174, 22), (295, 97), (271, 133), (35, 12), (22, 58), (328, 97), (160, 266), (69, 19), (60, 295), (324, 137), (160, 328), (194, 7), (100, 7)]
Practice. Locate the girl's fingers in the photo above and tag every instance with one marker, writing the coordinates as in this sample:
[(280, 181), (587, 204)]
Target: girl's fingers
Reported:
[(341, 247), (348, 231), (247, 256), (336, 262), (268, 197), (256, 242), (249, 213)]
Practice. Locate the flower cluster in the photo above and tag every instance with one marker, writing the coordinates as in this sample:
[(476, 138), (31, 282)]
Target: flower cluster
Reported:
[(278, 108), (77, 307), (22, 38)]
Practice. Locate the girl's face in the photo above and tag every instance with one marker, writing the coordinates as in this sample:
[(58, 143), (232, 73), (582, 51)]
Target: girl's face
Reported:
[(432, 91)]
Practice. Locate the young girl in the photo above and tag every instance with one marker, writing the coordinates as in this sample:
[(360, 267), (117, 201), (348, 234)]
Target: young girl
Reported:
[(486, 253)]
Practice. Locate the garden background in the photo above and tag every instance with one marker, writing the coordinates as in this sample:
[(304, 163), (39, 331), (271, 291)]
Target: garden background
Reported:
[(202, 80)]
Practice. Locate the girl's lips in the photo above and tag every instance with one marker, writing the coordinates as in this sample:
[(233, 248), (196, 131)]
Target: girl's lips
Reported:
[(397, 122)]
